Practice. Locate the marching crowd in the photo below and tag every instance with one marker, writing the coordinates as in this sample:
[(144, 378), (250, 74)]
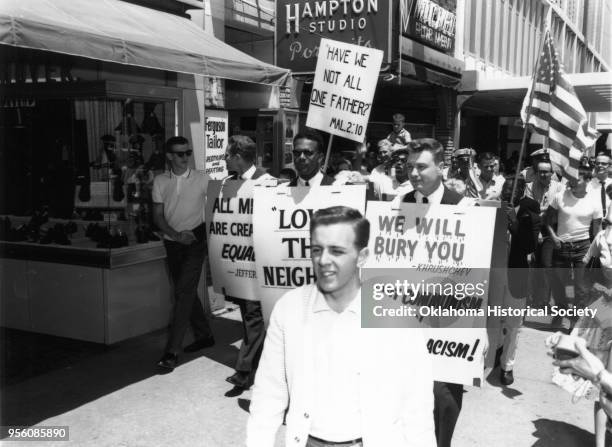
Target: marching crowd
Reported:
[(314, 369)]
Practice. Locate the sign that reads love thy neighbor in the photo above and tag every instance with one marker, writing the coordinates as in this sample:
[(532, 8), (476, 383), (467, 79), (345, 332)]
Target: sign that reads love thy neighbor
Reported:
[(343, 89)]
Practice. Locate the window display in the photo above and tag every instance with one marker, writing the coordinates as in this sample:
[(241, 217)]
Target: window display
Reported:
[(83, 170)]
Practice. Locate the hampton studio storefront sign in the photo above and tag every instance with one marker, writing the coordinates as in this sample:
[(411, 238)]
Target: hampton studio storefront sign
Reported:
[(300, 25)]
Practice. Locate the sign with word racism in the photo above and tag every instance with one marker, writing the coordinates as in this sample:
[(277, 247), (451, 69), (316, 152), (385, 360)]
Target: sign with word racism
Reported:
[(229, 228), (432, 22), (343, 89), (301, 24), (215, 140), (432, 259), (281, 225)]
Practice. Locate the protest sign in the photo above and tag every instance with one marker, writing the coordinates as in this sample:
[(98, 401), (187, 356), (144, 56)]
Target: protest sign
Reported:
[(343, 89), (427, 260), (281, 225), (215, 139), (229, 228)]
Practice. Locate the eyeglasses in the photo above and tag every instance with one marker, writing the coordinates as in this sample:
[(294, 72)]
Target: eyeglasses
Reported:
[(183, 153), (307, 153), (602, 163)]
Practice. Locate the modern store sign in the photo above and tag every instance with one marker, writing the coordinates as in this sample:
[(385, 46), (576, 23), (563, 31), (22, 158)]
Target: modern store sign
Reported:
[(432, 22), (300, 25)]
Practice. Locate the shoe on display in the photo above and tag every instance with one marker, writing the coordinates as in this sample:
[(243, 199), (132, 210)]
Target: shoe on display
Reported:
[(168, 361), (200, 343), (506, 377), (240, 379), (59, 235)]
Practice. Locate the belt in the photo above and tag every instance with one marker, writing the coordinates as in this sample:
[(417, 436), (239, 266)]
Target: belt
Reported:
[(346, 443), (572, 243)]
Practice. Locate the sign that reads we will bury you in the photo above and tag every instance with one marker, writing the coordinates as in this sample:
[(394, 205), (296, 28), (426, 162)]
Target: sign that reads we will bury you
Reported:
[(429, 268), (343, 89)]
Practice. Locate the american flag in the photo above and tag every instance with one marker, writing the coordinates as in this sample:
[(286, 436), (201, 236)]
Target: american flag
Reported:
[(554, 110)]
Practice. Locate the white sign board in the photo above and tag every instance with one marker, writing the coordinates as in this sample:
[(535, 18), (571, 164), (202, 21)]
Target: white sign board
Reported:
[(343, 89), (445, 252), (281, 229), (229, 228), (215, 138)]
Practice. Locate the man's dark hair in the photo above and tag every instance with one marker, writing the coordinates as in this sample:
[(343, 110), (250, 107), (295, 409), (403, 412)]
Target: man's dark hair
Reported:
[(343, 214), (585, 171), (310, 134), (430, 145), (175, 141), (486, 156), (243, 146)]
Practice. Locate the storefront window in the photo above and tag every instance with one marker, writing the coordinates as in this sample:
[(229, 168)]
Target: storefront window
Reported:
[(85, 166)]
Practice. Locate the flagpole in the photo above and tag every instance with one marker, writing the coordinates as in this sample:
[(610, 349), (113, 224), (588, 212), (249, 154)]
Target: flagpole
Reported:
[(525, 127), (329, 145)]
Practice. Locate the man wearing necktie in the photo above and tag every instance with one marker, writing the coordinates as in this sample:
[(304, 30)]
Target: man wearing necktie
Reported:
[(424, 169), (600, 182), (240, 156), (307, 157)]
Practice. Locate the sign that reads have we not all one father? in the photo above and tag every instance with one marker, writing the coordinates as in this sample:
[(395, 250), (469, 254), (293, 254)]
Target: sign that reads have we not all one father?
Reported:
[(343, 89)]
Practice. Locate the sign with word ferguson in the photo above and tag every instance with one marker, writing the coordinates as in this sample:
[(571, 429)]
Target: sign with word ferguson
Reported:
[(281, 224), (301, 24), (429, 267), (215, 139), (432, 22), (343, 89)]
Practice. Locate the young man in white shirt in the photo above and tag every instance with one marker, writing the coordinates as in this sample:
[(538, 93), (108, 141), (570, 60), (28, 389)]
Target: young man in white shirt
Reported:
[(578, 217), (490, 186), (179, 196), (597, 186), (343, 385)]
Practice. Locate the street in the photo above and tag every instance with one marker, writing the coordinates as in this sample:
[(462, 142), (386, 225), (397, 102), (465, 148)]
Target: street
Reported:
[(114, 397)]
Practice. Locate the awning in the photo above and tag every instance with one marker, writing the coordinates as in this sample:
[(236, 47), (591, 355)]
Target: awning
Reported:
[(116, 31), (504, 96)]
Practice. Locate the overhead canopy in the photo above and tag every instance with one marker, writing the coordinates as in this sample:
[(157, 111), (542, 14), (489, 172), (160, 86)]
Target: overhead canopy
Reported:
[(116, 31), (504, 96)]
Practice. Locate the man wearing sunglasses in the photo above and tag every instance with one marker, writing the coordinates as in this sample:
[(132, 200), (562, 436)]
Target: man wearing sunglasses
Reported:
[(308, 155), (178, 211)]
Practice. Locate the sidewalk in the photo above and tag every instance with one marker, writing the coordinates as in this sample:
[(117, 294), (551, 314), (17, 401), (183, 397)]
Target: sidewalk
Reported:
[(114, 397)]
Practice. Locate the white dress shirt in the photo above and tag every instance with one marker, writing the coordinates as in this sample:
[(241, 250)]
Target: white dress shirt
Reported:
[(314, 181), (336, 414), (434, 198)]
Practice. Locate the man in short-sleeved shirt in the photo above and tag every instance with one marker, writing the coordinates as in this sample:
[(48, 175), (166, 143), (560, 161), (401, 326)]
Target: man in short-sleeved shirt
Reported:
[(577, 216), (178, 210)]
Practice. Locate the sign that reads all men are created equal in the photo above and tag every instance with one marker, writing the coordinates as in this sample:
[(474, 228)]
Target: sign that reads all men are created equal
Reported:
[(343, 89)]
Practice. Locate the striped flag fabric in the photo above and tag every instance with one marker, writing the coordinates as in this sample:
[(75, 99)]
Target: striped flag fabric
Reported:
[(551, 108)]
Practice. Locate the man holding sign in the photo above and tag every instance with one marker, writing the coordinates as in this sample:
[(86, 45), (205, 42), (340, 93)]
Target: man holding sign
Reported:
[(346, 385), (240, 158), (424, 169), (308, 155)]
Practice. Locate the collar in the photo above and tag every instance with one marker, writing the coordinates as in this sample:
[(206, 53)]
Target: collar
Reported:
[(320, 304), (314, 181), (248, 174), (185, 174), (434, 198)]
